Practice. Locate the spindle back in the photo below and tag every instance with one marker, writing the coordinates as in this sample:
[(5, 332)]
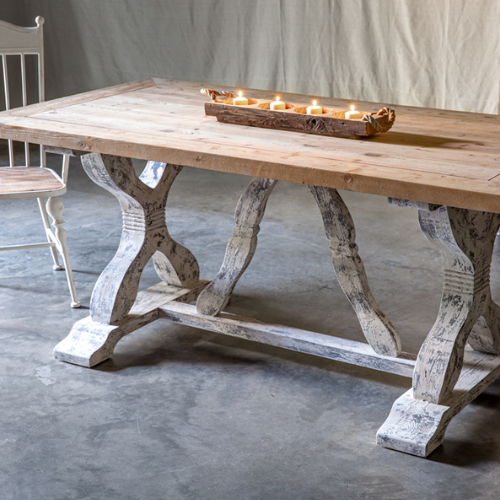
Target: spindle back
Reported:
[(22, 82)]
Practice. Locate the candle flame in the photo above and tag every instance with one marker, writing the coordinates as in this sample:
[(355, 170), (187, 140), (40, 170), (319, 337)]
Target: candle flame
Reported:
[(240, 94), (315, 103), (353, 107), (277, 97)]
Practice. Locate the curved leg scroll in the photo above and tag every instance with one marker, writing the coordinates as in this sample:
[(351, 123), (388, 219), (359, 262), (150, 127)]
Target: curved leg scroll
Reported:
[(466, 239), (348, 265), (351, 274), (241, 247), (143, 201), (442, 383), (173, 263)]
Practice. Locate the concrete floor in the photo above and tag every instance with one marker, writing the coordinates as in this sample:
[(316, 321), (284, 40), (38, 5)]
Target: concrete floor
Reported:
[(183, 414)]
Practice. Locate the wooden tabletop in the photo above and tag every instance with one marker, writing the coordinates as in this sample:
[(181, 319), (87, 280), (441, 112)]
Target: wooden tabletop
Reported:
[(445, 157)]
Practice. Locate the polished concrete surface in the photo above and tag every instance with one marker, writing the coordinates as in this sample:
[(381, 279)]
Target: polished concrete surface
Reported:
[(183, 414)]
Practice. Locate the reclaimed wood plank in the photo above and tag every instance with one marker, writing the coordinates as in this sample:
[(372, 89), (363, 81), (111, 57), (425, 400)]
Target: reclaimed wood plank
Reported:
[(158, 123), (78, 98), (433, 156), (131, 125), (28, 179)]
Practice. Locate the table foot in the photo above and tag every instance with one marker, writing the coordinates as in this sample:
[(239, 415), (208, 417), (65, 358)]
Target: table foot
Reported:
[(90, 342), (417, 427), (448, 374), (116, 308), (414, 426)]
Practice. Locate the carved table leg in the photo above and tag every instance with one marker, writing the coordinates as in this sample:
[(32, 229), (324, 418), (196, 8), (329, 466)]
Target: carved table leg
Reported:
[(419, 418), (241, 247), (348, 265), (351, 274), (143, 200)]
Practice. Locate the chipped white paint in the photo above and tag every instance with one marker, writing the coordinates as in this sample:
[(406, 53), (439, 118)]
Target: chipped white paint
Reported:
[(417, 427), (241, 247), (348, 265), (318, 344), (90, 342), (465, 238), (350, 271), (143, 200), (419, 418)]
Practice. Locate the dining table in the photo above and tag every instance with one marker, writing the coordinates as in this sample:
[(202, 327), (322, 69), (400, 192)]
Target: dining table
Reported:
[(443, 164)]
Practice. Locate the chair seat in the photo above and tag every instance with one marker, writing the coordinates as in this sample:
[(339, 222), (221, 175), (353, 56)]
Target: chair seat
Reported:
[(25, 180)]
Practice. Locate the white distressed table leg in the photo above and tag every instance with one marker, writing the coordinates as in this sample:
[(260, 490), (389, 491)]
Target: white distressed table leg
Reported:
[(348, 265), (466, 238), (485, 335), (467, 312), (173, 263), (143, 201), (241, 247), (350, 272), (144, 233)]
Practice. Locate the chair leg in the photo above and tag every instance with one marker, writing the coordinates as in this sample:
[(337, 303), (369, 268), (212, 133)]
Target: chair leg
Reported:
[(48, 232), (55, 208)]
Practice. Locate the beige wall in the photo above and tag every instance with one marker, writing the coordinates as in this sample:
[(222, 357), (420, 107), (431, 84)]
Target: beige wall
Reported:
[(443, 54)]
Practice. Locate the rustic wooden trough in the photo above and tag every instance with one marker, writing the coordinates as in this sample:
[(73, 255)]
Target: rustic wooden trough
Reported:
[(294, 118)]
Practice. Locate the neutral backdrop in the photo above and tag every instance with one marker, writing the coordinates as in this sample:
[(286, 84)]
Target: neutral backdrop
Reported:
[(442, 54)]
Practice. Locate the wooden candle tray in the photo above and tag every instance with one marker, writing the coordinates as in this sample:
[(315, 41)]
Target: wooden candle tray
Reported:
[(294, 118)]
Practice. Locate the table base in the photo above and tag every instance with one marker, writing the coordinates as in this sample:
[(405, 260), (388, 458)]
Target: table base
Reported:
[(90, 343), (446, 374)]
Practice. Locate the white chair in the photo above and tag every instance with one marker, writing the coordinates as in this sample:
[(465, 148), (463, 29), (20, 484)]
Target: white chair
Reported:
[(21, 51)]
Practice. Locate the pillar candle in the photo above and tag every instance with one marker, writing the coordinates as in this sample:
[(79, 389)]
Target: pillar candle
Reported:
[(277, 104), (353, 114), (314, 109), (240, 100)]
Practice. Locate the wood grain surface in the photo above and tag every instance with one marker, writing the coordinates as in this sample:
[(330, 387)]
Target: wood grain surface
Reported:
[(28, 179), (435, 156)]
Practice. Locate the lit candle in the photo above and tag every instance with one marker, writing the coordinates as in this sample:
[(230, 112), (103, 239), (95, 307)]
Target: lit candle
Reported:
[(353, 114), (277, 104), (314, 109), (240, 100)]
